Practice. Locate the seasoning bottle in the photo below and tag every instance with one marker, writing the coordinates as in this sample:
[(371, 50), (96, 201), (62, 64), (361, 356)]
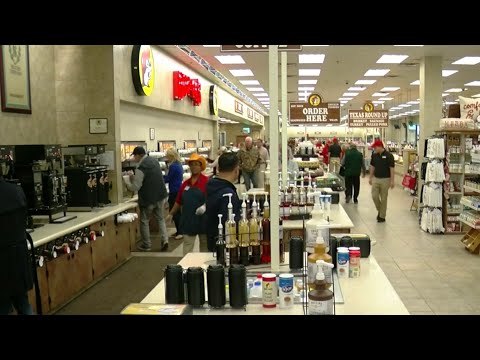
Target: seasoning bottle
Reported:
[(286, 204), (269, 290), (354, 264), (319, 254), (320, 299), (231, 233), (243, 235), (220, 244), (281, 241), (266, 256), (255, 234)]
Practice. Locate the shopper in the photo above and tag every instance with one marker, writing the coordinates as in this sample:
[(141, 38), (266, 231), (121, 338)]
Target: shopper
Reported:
[(264, 157), (15, 262), (249, 163), (223, 183), (174, 179), (191, 198), (325, 154), (214, 163), (382, 177), (334, 152), (354, 166), (152, 196)]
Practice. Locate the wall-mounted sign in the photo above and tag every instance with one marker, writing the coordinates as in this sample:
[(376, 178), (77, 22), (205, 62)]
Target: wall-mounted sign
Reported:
[(213, 100), (98, 125), (242, 48), (368, 106), (258, 118), (302, 113), (143, 69), (250, 113), (246, 130), (238, 107), (315, 100), (371, 118), (184, 86)]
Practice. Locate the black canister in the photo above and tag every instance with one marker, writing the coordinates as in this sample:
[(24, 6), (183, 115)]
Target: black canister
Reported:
[(256, 255), (220, 252), (216, 286), (296, 253), (174, 285), (334, 243), (346, 241), (195, 286), (244, 256), (237, 285)]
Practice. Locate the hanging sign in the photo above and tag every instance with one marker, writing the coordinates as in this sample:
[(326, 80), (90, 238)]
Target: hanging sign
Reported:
[(246, 48), (213, 100), (314, 112), (143, 69), (368, 117)]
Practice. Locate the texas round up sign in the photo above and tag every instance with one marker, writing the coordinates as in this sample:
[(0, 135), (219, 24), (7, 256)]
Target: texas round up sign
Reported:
[(143, 69)]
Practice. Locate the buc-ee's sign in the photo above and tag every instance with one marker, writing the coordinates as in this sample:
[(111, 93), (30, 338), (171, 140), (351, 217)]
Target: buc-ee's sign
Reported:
[(184, 86)]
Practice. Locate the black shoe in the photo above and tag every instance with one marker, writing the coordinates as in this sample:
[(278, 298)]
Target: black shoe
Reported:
[(380, 220), (355, 201), (164, 246), (348, 198), (378, 216), (142, 247)]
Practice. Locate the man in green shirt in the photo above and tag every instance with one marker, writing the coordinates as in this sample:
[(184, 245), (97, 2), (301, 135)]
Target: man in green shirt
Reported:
[(354, 166)]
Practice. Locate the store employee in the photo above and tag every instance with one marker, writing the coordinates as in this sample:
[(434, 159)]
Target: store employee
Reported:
[(382, 177)]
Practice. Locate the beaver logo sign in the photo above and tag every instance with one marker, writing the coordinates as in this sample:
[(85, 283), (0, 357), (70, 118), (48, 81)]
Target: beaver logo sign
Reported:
[(143, 69)]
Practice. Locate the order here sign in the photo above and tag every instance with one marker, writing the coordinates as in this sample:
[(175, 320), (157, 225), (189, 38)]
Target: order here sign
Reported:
[(303, 113), (373, 119)]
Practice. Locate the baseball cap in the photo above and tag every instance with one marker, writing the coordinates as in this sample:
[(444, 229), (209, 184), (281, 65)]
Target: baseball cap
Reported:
[(139, 151), (377, 143)]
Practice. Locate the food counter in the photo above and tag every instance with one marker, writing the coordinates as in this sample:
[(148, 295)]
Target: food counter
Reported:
[(75, 254), (369, 294)]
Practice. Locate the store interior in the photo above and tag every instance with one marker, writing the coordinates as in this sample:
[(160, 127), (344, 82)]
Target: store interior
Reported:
[(87, 107)]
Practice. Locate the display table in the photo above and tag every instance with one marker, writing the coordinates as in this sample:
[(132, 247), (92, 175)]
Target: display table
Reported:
[(370, 294)]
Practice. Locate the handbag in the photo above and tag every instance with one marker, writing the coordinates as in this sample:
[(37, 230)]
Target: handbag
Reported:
[(342, 171), (409, 182)]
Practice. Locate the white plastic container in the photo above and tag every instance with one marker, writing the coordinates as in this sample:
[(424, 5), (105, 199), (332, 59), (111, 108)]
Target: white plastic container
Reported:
[(343, 259), (286, 290), (312, 225)]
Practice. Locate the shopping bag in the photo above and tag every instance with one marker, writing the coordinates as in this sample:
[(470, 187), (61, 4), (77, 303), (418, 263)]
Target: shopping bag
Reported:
[(409, 181)]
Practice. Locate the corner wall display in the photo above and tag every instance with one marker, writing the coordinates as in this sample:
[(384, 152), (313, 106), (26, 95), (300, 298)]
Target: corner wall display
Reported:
[(98, 125), (207, 143), (213, 100), (15, 79), (190, 144), (249, 113), (152, 133), (143, 69), (238, 107), (164, 145)]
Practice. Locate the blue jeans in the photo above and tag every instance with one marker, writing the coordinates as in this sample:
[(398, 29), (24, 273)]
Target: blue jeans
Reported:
[(19, 302), (158, 212)]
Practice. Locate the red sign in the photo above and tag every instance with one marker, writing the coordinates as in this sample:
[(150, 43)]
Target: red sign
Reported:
[(184, 86)]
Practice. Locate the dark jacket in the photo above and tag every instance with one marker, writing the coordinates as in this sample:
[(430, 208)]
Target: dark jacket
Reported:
[(153, 187), (174, 178), (218, 204), (353, 162), (334, 150), (15, 261)]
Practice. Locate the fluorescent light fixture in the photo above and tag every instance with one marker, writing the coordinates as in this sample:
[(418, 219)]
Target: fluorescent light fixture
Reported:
[(306, 88), (350, 94), (416, 82), (230, 59), (262, 94), (390, 88), (391, 59), (314, 45), (365, 82), (404, 105), (416, 110), (395, 108), (392, 109), (450, 102), (249, 82), (447, 73), (408, 45), (413, 102), (255, 89), (263, 98), (376, 72), (211, 45), (308, 72), (345, 98), (241, 72), (468, 60), (356, 88), (476, 96), (410, 112), (454, 90), (445, 94), (378, 94), (473, 83), (265, 101), (343, 101), (386, 98), (377, 102), (307, 82), (311, 58)]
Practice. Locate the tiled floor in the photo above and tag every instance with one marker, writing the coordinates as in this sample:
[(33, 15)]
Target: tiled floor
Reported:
[(432, 274)]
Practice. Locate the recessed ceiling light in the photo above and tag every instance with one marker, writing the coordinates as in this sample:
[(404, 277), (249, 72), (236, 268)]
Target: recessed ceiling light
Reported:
[(395, 108), (261, 98), (255, 89), (241, 72), (343, 101), (447, 73), (230, 59), (445, 94), (413, 102), (473, 83), (311, 58), (408, 45), (404, 105), (454, 90), (249, 82), (211, 45), (377, 94), (365, 82), (475, 96), (307, 82), (263, 94), (416, 82), (386, 98), (391, 59), (376, 72), (377, 102), (390, 88), (468, 60), (350, 94), (356, 88), (308, 72), (306, 88), (345, 98)]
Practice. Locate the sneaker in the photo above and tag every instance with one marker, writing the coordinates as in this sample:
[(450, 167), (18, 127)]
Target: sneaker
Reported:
[(348, 198), (142, 247), (355, 201), (380, 220), (179, 237), (164, 246)]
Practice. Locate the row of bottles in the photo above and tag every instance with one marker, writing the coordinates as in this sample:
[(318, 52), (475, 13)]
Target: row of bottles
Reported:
[(296, 200)]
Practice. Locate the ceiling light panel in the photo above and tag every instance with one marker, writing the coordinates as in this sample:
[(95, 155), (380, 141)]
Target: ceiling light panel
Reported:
[(307, 82), (377, 72), (350, 94), (264, 94), (308, 72), (409, 45), (356, 88), (391, 59), (241, 72), (365, 82), (468, 60), (306, 88), (377, 102), (345, 98), (230, 59), (249, 82), (447, 73), (386, 98), (416, 82), (476, 96), (454, 90), (378, 94), (311, 58), (255, 89), (211, 45), (473, 83), (413, 102), (390, 88)]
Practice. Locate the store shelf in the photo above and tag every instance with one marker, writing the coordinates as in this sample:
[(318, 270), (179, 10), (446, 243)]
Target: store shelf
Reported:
[(454, 213), (455, 193), (471, 189), (454, 232), (470, 224), (470, 206)]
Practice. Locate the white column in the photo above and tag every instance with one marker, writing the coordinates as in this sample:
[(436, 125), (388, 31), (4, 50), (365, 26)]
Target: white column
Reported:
[(273, 127), (284, 117)]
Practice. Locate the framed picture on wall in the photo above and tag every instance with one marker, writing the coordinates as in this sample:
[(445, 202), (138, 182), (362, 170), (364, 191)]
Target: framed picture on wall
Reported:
[(15, 79), (152, 133)]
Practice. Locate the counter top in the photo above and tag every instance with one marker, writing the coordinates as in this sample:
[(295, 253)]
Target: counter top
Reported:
[(370, 294), (338, 219), (49, 232)]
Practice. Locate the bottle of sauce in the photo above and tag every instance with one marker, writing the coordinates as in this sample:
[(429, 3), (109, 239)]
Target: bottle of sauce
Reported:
[(320, 253), (320, 298), (255, 234), (231, 234), (266, 255), (243, 235), (281, 242)]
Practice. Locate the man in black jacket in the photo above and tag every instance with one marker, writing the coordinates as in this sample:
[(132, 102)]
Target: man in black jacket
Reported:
[(152, 195), (15, 263), (228, 169)]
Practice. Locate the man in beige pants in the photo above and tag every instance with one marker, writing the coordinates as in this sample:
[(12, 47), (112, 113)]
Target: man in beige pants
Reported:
[(264, 157), (382, 177)]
